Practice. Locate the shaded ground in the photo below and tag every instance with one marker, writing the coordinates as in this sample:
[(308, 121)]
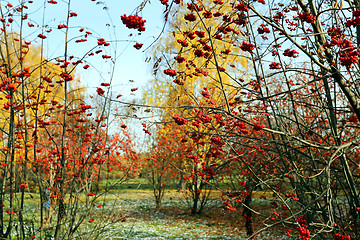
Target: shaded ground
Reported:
[(172, 220), (128, 212)]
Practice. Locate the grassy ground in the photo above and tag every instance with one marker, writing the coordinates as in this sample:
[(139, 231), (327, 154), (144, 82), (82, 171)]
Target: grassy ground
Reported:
[(139, 183), (133, 200), (172, 220)]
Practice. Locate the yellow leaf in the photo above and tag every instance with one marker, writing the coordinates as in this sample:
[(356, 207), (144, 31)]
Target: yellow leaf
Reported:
[(337, 3), (321, 50)]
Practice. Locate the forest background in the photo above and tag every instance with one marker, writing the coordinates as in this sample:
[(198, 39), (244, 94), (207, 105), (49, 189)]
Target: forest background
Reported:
[(250, 100)]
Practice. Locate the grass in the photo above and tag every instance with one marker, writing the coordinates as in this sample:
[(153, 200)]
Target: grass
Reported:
[(172, 220), (133, 200), (139, 183)]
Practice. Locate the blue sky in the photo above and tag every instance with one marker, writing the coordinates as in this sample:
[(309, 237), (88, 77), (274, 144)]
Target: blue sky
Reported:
[(103, 23), (130, 63)]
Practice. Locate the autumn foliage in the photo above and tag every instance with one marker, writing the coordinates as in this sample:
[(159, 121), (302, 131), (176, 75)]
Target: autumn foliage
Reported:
[(267, 95), (55, 141), (255, 99)]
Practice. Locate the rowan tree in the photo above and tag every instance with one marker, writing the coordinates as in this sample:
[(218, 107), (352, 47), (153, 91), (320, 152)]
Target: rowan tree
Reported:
[(162, 165), (48, 133), (301, 94)]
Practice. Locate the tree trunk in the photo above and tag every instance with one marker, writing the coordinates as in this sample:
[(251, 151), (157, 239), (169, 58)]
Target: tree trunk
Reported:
[(247, 213)]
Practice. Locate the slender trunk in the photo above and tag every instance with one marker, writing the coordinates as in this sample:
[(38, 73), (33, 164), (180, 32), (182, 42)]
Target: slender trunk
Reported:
[(196, 198), (195, 204), (180, 183), (158, 203), (247, 213)]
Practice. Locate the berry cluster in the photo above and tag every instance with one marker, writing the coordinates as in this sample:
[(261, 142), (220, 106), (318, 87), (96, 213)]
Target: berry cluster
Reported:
[(170, 72), (61, 26), (263, 29), (306, 17), (349, 55), (133, 22), (203, 72), (164, 2), (247, 47), (177, 81), (338, 236), (190, 17), (100, 91), (67, 77), (102, 41), (180, 59), (138, 46), (291, 53), (183, 43), (198, 53), (275, 65), (242, 7), (180, 120), (355, 21)]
